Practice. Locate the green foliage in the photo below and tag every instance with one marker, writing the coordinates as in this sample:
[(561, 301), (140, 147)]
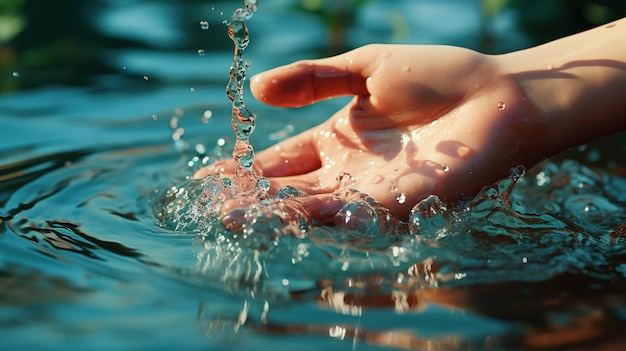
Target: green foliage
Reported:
[(335, 15), (491, 8), (12, 22)]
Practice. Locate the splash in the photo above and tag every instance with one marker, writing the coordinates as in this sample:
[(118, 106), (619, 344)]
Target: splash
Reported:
[(195, 205), (243, 120), (441, 244)]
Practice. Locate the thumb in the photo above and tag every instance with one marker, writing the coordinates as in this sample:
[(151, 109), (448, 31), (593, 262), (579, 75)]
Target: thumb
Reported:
[(305, 82)]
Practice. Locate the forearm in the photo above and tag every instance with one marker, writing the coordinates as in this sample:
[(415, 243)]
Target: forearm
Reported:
[(578, 84)]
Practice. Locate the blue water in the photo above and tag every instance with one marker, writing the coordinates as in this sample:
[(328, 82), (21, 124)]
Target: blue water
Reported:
[(89, 260)]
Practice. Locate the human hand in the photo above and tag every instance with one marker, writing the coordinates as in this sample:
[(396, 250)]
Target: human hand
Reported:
[(424, 120)]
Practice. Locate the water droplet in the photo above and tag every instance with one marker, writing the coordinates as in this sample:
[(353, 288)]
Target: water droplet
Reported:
[(200, 149), (248, 64), (178, 133), (193, 90), (590, 208), (173, 123), (155, 117), (518, 172), (406, 68), (16, 74), (204, 25), (401, 198), (201, 52), (206, 116), (501, 105), (145, 78), (445, 168), (124, 68)]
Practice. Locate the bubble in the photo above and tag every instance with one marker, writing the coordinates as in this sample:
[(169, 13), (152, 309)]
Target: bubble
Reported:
[(445, 168), (501, 106), (201, 52), (204, 25), (406, 68), (269, 223), (16, 74), (358, 217), (155, 117), (429, 218), (193, 90), (146, 78)]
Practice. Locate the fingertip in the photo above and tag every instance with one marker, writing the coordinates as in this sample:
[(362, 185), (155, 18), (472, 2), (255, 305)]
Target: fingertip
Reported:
[(257, 87), (286, 86), (305, 82)]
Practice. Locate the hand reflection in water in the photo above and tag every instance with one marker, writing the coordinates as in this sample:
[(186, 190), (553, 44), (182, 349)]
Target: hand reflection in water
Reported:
[(437, 119)]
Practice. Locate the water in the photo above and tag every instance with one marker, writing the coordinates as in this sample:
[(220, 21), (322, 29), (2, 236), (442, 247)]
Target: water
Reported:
[(92, 259)]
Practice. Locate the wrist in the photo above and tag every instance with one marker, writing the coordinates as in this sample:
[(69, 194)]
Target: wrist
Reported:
[(576, 84)]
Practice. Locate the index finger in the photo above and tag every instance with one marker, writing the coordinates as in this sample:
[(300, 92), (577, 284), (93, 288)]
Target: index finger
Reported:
[(308, 81)]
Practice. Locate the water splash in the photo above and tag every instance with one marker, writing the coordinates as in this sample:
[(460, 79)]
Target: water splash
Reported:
[(243, 120), (500, 235), (195, 205)]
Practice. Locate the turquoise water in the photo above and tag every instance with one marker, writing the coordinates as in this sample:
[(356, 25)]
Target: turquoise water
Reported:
[(90, 260)]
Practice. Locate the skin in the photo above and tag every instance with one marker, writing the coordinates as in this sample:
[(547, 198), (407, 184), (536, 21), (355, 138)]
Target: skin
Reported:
[(439, 119)]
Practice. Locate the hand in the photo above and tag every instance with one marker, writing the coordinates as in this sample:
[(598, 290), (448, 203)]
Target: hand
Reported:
[(424, 120)]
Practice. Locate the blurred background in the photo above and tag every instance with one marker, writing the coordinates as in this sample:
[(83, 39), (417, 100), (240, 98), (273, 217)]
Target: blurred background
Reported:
[(114, 43)]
